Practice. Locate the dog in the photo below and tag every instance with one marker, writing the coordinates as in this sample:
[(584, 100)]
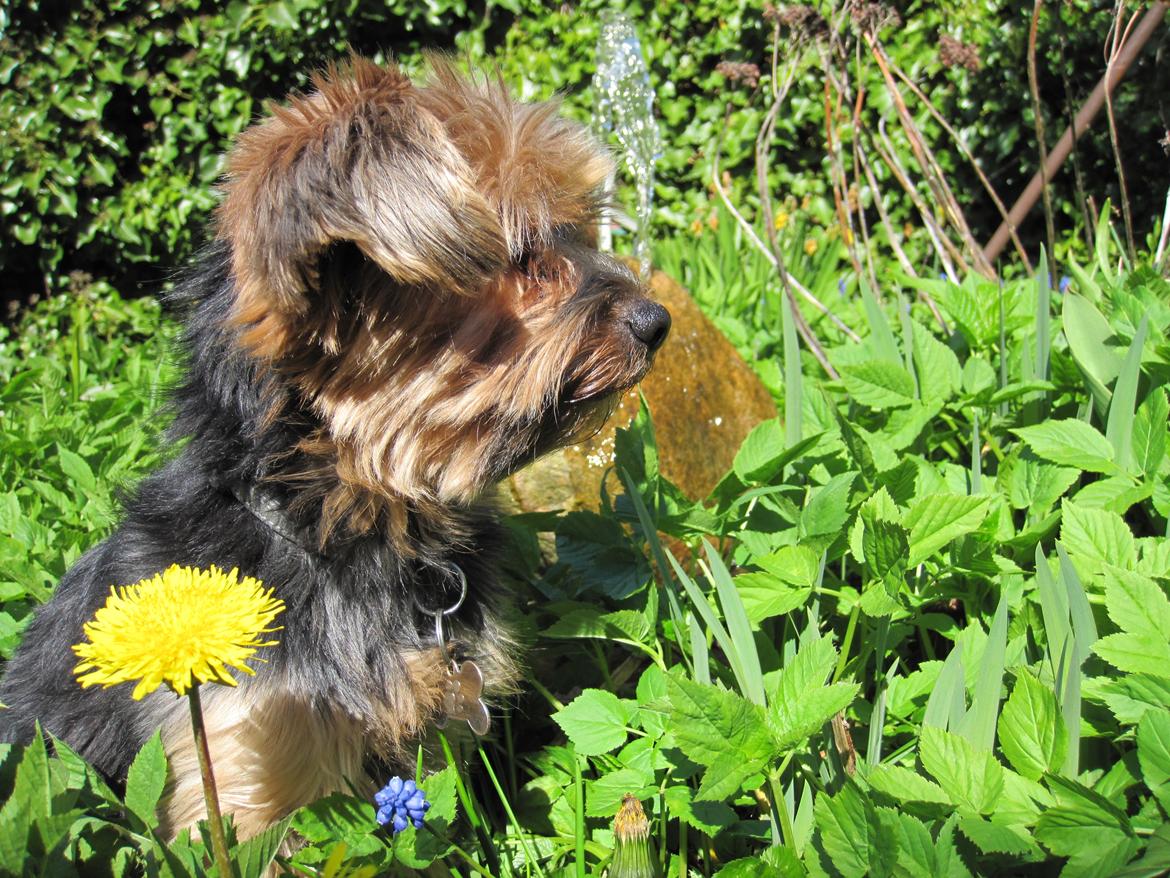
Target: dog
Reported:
[(402, 303)]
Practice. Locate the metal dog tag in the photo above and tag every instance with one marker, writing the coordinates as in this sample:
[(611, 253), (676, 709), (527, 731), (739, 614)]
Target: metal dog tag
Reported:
[(461, 696)]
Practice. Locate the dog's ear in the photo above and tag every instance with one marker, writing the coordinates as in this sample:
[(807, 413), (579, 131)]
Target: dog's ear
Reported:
[(356, 160)]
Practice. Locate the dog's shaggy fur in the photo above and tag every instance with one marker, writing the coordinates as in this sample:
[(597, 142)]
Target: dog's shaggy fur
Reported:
[(402, 305)]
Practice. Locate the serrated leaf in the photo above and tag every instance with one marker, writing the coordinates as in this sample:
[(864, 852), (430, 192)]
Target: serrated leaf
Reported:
[(972, 778), (1149, 434), (1136, 603), (765, 595), (595, 721), (708, 817), (75, 467), (1136, 653), (146, 779), (828, 508), (604, 795), (1097, 535), (1153, 742), (1085, 827), (905, 785), (939, 372), (256, 854), (879, 384), (991, 838), (1070, 443), (855, 840), (938, 519), (1031, 731), (710, 723)]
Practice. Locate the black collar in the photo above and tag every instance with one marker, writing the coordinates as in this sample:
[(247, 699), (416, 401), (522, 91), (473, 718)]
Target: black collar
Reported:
[(265, 505)]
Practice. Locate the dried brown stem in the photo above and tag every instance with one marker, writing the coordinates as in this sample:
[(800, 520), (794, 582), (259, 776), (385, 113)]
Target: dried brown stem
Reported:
[(1115, 43)]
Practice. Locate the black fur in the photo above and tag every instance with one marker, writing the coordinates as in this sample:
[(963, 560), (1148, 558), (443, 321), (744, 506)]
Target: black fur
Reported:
[(350, 609)]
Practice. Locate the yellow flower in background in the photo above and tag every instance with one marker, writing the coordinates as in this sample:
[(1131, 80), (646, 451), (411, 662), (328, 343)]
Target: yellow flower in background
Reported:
[(810, 246), (847, 236), (782, 219), (697, 227), (181, 627)]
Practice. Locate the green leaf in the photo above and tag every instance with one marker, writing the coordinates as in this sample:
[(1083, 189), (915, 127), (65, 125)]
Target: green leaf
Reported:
[(1070, 443), (765, 595), (708, 817), (1136, 653), (75, 467), (1085, 827), (905, 785), (972, 778), (1093, 345), (1031, 732), (255, 855), (853, 837), (1136, 603), (604, 795), (1149, 434), (938, 369), (764, 453), (1119, 428), (828, 508), (796, 565), (146, 779), (879, 384), (991, 838), (938, 519), (1097, 535), (1153, 743), (595, 721), (710, 723)]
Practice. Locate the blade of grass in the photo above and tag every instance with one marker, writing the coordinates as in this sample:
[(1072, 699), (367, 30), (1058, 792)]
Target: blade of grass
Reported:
[(520, 833), (738, 626), (949, 689), (659, 554), (793, 377), (707, 614), (699, 651), (1053, 612), (1119, 427), (976, 456), (1084, 628), (979, 723), (881, 338), (467, 798)]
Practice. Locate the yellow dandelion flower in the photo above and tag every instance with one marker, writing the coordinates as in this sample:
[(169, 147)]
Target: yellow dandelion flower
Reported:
[(181, 627), (713, 221), (697, 227), (810, 246), (781, 220)]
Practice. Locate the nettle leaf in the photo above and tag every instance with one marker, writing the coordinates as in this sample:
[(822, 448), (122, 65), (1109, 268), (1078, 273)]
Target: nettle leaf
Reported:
[(879, 384), (1097, 535), (904, 785), (757, 459), (708, 817), (1136, 603), (1031, 730), (1036, 484), (939, 372), (719, 729), (595, 721), (1070, 443), (796, 565), (1150, 434), (627, 626), (828, 508), (885, 545), (1153, 742), (991, 838), (1087, 828), (604, 795), (972, 778), (145, 780), (855, 840), (938, 519), (800, 704), (765, 595), (1136, 653), (915, 846)]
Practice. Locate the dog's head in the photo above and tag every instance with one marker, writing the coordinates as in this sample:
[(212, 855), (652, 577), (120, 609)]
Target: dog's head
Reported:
[(419, 263)]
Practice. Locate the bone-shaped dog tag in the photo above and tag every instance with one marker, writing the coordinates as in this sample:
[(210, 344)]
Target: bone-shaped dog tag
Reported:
[(461, 696)]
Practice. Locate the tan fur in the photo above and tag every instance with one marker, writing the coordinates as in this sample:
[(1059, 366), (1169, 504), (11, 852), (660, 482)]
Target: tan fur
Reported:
[(473, 211), (273, 751)]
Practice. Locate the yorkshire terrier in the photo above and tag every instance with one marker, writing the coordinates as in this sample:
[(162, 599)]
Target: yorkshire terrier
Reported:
[(403, 303)]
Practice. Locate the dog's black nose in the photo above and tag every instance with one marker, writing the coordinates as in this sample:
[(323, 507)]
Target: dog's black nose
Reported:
[(650, 323)]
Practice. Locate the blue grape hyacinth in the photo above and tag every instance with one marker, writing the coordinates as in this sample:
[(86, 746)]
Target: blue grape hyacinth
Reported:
[(400, 803)]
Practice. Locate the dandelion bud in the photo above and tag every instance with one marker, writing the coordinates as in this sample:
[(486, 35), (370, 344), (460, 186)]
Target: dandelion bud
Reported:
[(633, 853)]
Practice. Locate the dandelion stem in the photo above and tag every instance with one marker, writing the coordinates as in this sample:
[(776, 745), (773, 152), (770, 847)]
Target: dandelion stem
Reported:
[(210, 797)]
